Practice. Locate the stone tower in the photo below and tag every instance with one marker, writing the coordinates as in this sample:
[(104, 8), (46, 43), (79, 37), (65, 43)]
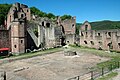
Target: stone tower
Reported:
[(17, 19), (18, 36)]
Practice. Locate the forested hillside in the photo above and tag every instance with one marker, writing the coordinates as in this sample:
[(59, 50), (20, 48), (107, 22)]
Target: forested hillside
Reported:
[(103, 25), (4, 8)]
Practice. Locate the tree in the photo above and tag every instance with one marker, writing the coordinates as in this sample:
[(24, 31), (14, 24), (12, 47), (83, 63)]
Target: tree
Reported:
[(66, 17), (36, 11), (4, 8), (51, 16)]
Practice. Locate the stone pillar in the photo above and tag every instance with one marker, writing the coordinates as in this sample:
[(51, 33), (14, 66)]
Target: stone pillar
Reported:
[(114, 41), (104, 41)]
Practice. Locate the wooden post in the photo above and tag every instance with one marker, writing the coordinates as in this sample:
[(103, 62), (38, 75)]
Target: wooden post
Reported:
[(110, 67), (118, 64), (4, 75), (92, 75), (78, 77), (102, 71)]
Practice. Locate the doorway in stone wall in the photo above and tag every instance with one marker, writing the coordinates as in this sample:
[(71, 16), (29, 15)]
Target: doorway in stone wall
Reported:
[(110, 46), (63, 36), (63, 41)]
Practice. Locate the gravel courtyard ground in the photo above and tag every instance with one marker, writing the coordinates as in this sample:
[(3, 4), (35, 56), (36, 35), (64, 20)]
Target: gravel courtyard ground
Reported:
[(54, 66)]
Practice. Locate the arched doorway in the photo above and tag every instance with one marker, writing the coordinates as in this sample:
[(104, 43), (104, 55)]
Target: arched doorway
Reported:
[(110, 46)]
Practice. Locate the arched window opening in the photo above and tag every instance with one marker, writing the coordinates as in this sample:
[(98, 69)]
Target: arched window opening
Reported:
[(92, 42), (43, 23), (47, 24), (99, 34), (85, 42), (109, 34)]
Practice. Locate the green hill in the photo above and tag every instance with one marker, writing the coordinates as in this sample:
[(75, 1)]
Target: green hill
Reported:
[(103, 25)]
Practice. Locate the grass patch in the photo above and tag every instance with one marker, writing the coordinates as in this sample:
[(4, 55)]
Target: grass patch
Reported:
[(32, 54), (114, 56), (48, 51), (108, 76)]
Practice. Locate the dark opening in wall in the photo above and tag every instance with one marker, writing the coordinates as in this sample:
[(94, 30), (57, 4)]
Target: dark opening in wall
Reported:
[(119, 45), (22, 15), (100, 43), (15, 46), (92, 42), (82, 34), (86, 34), (73, 25), (86, 27), (110, 45), (109, 34), (67, 41), (85, 42), (21, 41), (43, 23), (27, 10), (99, 34), (47, 24), (10, 18)]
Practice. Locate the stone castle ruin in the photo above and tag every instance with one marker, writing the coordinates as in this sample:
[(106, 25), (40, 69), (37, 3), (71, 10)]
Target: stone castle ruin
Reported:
[(18, 35), (99, 39), (24, 31)]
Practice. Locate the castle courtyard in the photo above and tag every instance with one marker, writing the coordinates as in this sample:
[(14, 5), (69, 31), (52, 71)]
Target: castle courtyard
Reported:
[(53, 66)]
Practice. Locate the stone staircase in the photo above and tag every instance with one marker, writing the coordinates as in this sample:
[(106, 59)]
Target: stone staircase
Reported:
[(33, 36)]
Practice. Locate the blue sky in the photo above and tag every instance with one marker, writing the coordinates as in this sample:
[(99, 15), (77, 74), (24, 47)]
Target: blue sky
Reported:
[(91, 10)]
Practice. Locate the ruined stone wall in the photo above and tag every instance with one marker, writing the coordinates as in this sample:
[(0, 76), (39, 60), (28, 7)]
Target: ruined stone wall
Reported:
[(70, 38), (4, 39), (69, 29), (58, 35), (101, 39), (69, 25)]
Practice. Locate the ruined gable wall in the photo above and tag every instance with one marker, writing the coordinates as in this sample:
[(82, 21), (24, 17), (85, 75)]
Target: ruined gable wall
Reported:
[(69, 26)]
